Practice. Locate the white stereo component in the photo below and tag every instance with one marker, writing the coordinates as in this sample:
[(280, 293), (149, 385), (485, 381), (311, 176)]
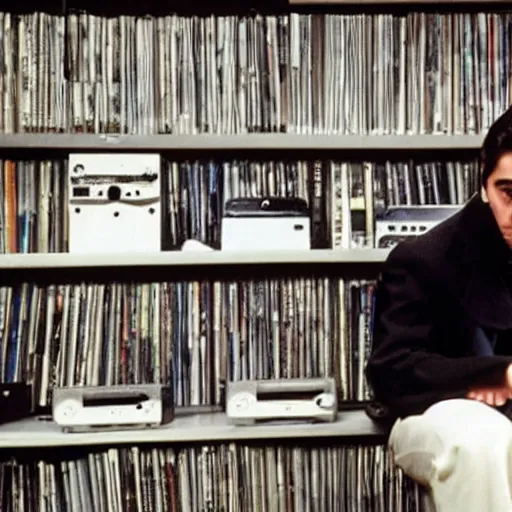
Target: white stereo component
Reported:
[(114, 203), (265, 224)]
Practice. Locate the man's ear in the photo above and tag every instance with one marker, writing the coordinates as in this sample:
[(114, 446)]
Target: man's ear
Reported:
[(483, 194)]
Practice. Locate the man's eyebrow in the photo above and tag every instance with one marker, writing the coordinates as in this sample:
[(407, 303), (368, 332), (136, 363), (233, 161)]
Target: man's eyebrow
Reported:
[(503, 182)]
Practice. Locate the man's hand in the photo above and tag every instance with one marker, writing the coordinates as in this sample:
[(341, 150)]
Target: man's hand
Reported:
[(491, 396), (494, 396)]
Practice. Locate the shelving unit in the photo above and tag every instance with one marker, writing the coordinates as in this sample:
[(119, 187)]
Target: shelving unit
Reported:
[(37, 433), (352, 426)]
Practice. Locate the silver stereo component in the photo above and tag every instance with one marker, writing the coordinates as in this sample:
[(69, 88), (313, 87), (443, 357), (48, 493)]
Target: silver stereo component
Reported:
[(114, 203), (86, 409), (399, 223), (250, 401)]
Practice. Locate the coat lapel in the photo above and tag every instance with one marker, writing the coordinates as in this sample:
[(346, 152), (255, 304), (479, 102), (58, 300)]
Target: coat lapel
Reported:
[(484, 260)]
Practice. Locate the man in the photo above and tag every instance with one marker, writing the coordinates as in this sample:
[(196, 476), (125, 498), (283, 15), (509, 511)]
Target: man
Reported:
[(441, 363)]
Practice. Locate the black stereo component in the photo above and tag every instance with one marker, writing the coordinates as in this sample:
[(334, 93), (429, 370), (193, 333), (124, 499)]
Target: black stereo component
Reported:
[(15, 401)]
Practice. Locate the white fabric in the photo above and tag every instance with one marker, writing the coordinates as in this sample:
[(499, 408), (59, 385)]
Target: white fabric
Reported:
[(194, 245), (462, 451)]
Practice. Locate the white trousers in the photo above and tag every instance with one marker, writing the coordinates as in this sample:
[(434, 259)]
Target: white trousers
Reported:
[(461, 450)]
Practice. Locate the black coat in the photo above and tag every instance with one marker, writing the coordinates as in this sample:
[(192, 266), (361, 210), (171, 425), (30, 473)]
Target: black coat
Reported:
[(443, 314)]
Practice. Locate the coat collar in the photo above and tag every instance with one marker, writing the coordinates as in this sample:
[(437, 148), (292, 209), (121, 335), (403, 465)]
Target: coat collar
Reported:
[(484, 261)]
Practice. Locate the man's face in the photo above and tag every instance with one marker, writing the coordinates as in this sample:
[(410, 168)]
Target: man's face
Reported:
[(499, 193)]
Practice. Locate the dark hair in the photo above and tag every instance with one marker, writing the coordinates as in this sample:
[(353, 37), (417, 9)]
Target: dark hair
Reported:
[(497, 141)]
